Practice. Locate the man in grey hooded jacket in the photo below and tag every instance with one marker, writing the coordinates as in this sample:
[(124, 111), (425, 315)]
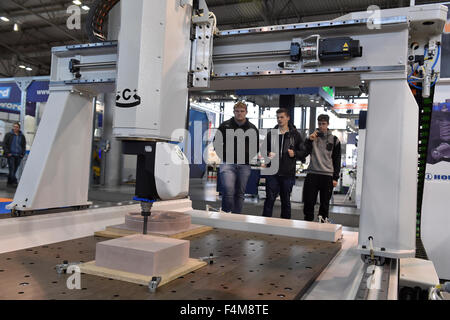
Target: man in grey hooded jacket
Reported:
[(323, 171)]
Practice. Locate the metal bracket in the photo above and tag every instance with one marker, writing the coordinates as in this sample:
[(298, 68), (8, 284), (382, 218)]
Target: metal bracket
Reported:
[(209, 259), (201, 59), (289, 65), (200, 14), (376, 260), (153, 284)]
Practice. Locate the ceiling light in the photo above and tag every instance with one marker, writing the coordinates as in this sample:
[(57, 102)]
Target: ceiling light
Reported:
[(16, 27), (28, 69), (4, 19), (22, 66), (85, 8), (77, 2)]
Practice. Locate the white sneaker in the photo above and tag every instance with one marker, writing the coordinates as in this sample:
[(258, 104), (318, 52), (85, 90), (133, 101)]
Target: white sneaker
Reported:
[(328, 221), (321, 219)]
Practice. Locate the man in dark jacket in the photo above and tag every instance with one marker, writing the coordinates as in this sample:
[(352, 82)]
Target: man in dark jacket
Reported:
[(14, 146), (323, 170), (236, 143), (290, 150)]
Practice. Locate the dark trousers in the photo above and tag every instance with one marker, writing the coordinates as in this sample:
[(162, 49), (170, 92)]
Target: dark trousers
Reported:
[(315, 183), (13, 165), (281, 185)]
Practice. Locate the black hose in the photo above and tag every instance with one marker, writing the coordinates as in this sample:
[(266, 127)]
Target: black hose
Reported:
[(97, 17)]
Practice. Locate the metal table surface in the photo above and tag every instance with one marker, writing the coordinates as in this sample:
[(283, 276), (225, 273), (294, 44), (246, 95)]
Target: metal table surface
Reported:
[(248, 266)]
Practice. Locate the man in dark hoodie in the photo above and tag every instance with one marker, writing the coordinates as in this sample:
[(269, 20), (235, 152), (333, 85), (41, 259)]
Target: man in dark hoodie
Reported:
[(236, 143), (14, 146), (290, 150), (323, 170)]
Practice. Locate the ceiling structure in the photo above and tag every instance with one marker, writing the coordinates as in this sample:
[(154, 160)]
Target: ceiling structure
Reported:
[(43, 24)]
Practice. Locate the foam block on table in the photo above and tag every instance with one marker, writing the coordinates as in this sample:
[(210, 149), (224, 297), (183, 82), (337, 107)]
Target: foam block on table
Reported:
[(142, 254)]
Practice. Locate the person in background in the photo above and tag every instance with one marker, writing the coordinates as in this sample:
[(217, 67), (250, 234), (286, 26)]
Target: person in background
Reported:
[(236, 135), (14, 146), (290, 150), (323, 171)]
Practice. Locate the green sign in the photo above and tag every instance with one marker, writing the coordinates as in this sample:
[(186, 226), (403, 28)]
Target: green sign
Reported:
[(329, 90)]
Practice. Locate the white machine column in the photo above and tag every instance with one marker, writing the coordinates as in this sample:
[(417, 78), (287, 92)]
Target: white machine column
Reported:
[(113, 158), (57, 170), (389, 195), (152, 72)]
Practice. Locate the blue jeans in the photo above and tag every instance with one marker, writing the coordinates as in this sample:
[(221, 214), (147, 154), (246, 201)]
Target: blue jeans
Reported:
[(234, 179), (281, 185)]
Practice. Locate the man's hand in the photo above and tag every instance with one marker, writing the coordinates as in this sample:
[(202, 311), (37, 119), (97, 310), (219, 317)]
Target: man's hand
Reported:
[(272, 155), (9, 154), (291, 153), (334, 183), (313, 136)]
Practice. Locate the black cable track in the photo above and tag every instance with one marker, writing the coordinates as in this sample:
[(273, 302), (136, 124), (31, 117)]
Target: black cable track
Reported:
[(425, 109), (95, 23)]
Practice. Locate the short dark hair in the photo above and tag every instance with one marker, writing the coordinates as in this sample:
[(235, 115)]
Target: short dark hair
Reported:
[(323, 117), (283, 110), (18, 123)]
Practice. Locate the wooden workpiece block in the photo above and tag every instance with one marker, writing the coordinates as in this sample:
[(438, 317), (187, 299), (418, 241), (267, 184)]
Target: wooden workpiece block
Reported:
[(166, 277)]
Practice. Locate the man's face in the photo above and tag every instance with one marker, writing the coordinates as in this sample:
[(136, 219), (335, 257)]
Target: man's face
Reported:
[(282, 119), (240, 113), (16, 128), (323, 126)]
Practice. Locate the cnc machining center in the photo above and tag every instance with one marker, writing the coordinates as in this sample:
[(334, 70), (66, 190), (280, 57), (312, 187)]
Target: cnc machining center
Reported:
[(175, 47)]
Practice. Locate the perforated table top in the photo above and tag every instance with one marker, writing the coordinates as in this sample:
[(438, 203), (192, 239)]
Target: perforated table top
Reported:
[(248, 266)]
